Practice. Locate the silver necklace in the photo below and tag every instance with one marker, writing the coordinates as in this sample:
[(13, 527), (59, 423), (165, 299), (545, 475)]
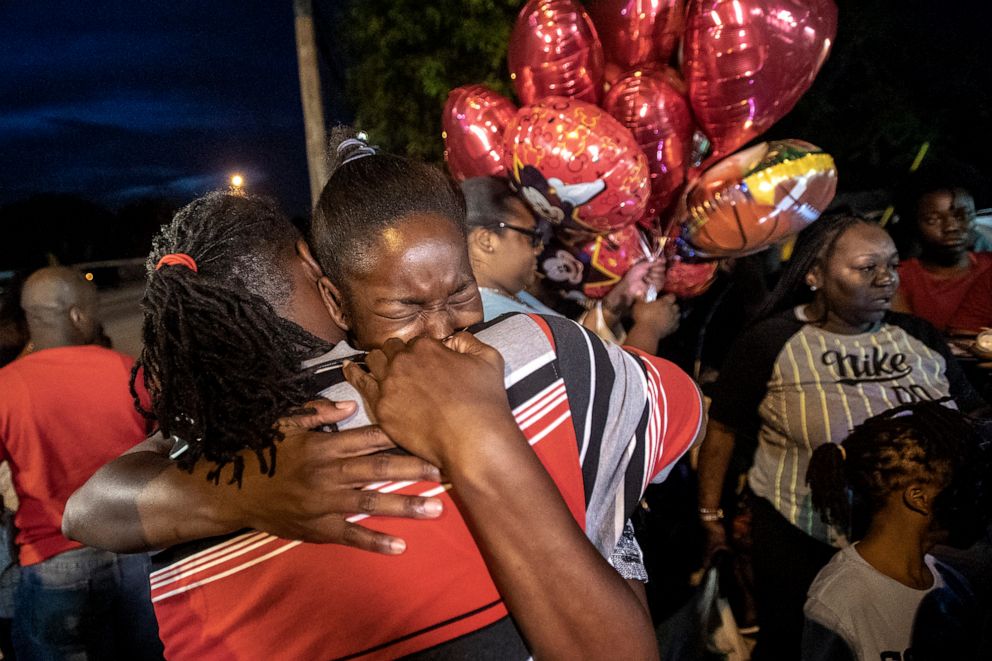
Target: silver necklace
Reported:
[(500, 292)]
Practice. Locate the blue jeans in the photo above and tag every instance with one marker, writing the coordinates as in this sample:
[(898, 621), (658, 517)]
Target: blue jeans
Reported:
[(85, 604)]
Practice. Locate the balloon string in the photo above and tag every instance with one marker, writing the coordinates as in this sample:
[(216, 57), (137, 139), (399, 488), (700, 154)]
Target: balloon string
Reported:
[(652, 292)]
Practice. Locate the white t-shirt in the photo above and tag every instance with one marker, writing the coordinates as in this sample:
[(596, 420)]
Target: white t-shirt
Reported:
[(871, 612)]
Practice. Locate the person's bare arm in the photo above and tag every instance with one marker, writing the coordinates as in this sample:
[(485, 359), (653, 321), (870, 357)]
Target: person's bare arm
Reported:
[(714, 458), (567, 600), (142, 500)]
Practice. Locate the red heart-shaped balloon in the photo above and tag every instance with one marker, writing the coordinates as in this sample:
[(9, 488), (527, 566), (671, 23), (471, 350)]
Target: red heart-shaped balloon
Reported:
[(636, 32), (747, 62), (472, 127), (657, 114), (554, 51)]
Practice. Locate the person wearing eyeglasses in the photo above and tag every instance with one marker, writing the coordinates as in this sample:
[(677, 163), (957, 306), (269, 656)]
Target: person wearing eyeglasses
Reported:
[(947, 284), (504, 242)]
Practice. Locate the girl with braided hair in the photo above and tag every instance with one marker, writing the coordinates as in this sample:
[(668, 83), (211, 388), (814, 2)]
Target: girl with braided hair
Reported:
[(901, 481), (825, 354)]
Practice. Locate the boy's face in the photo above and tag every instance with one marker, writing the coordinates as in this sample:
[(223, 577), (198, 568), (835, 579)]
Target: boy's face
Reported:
[(944, 219)]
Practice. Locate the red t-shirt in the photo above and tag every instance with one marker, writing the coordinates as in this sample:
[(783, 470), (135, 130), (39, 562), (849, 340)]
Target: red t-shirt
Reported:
[(964, 302), (64, 413), (603, 422)]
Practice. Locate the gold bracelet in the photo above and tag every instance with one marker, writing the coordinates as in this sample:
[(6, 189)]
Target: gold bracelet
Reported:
[(707, 515)]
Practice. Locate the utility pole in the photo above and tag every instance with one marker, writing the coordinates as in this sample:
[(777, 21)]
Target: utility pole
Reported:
[(313, 107)]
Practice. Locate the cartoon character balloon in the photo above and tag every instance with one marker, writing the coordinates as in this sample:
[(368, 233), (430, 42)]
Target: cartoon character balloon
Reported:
[(554, 51), (636, 32), (595, 266), (747, 62), (576, 166), (472, 127), (610, 256), (758, 197), (657, 114)]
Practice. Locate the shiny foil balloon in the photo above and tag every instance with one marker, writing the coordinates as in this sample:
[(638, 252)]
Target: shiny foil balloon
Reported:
[(561, 269), (576, 166), (609, 257), (554, 51), (747, 62), (758, 197), (472, 127), (636, 32), (686, 278), (657, 115), (591, 268)]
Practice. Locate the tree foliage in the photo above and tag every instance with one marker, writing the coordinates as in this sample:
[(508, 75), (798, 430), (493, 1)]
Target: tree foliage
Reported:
[(900, 74), (406, 55)]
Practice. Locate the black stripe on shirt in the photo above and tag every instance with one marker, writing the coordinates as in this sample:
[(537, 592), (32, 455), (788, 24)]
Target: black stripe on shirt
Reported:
[(449, 621), (577, 370), (532, 384)]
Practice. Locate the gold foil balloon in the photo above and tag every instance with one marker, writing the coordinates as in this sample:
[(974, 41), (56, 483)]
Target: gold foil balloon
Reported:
[(757, 197)]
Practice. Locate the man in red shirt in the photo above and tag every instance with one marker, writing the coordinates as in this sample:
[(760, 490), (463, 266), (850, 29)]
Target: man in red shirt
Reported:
[(948, 285), (65, 410)]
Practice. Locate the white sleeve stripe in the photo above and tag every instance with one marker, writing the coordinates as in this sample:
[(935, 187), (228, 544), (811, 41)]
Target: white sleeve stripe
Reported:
[(227, 573), (592, 400), (529, 368)]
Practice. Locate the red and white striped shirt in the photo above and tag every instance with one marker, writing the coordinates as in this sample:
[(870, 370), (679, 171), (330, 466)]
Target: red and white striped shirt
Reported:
[(603, 421)]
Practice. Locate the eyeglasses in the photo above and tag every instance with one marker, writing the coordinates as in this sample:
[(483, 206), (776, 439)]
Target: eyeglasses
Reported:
[(536, 235)]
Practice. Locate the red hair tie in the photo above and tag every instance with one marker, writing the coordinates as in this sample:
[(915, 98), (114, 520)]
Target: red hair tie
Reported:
[(177, 259)]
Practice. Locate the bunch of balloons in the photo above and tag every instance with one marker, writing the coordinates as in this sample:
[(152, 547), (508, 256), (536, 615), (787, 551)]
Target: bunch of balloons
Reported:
[(627, 155)]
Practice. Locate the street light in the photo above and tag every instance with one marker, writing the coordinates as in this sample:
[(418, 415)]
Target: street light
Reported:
[(237, 182)]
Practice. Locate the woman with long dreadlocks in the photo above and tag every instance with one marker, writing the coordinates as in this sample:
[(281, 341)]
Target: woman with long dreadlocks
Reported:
[(223, 345), (901, 481), (825, 354), (389, 234)]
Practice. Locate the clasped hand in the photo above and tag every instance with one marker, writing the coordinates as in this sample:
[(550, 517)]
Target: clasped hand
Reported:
[(433, 397)]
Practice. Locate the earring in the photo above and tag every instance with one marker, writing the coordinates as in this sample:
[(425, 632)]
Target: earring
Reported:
[(812, 287)]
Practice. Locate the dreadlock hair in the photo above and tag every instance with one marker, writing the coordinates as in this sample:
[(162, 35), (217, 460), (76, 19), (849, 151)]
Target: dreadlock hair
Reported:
[(814, 246), (220, 364), (369, 192), (919, 442)]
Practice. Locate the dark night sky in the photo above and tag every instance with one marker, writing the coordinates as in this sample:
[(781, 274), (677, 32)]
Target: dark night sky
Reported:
[(121, 100), (118, 100)]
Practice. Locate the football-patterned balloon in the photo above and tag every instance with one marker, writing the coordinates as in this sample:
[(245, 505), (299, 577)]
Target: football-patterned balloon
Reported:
[(757, 197)]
